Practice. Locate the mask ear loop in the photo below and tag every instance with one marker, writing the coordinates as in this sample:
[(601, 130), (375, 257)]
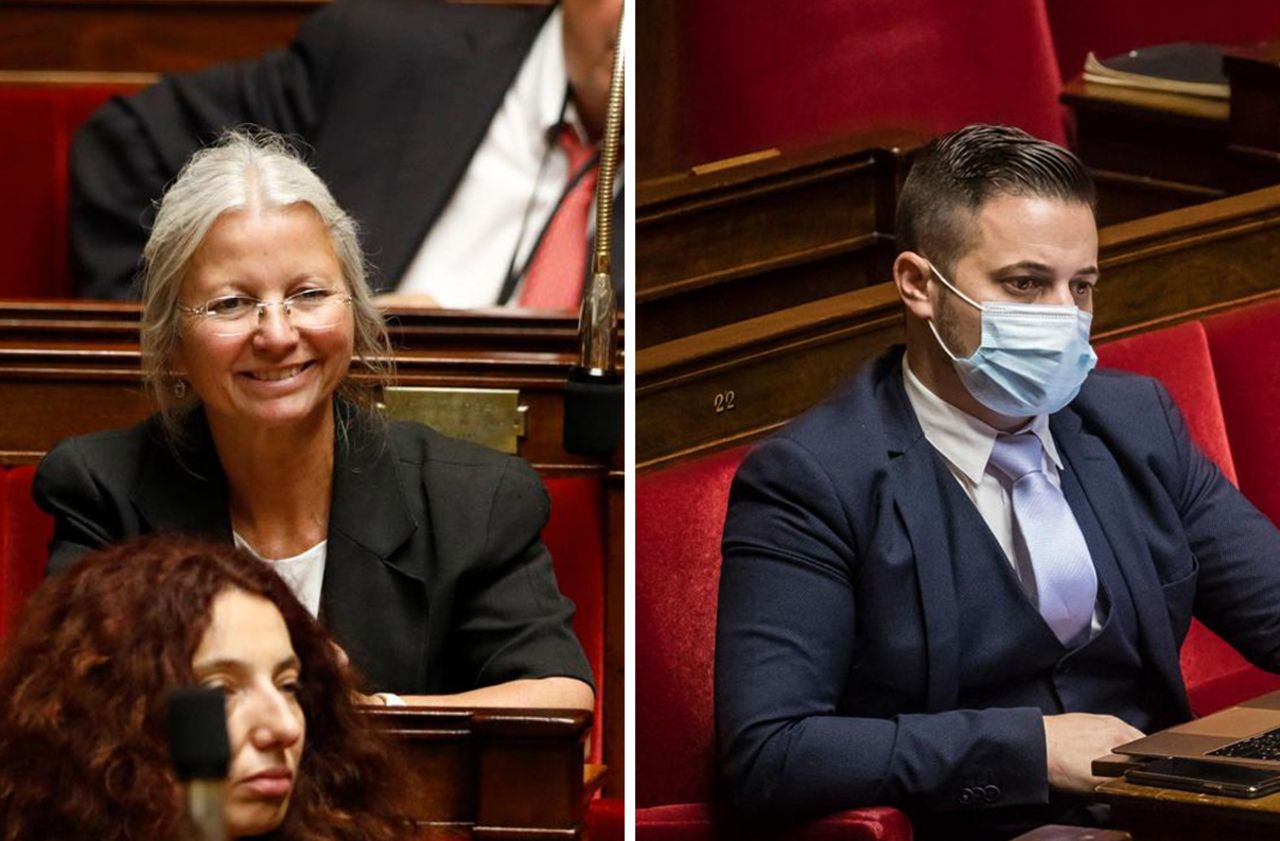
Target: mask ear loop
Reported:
[(962, 296)]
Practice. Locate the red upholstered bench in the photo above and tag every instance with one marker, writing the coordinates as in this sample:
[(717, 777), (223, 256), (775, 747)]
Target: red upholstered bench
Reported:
[(679, 517), (38, 121), (1183, 359), (759, 74)]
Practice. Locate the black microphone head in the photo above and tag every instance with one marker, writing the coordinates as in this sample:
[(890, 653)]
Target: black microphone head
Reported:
[(198, 741), (593, 411)]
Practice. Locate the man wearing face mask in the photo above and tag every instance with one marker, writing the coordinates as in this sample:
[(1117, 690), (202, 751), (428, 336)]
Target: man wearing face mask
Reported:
[(966, 575)]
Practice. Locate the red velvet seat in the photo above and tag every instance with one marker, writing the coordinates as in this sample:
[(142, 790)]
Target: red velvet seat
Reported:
[(679, 518), (38, 121), (760, 74), (24, 538), (1245, 345)]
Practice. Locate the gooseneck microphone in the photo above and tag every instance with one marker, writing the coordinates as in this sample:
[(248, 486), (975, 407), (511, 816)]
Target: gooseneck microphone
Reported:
[(201, 754), (593, 401)]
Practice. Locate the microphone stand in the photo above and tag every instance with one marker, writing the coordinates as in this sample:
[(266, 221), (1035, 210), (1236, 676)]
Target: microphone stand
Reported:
[(201, 754), (593, 398)]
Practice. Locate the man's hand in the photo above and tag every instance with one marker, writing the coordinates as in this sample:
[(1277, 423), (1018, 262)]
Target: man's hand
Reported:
[(1074, 740)]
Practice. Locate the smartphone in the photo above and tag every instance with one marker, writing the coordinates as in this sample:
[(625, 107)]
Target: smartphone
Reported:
[(1207, 777)]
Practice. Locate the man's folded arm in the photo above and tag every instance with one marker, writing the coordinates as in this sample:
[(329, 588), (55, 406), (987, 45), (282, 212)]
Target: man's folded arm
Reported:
[(123, 157), (786, 639)]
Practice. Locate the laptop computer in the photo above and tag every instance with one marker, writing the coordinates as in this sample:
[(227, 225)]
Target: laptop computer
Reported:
[(1246, 733)]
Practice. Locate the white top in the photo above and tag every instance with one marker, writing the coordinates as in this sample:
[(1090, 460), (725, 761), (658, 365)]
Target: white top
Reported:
[(965, 443), (464, 259), (304, 572)]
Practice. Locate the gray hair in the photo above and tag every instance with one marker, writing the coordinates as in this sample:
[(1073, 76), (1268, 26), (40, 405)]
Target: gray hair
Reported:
[(246, 169)]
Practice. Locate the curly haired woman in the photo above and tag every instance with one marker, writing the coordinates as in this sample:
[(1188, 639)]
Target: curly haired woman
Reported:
[(83, 752)]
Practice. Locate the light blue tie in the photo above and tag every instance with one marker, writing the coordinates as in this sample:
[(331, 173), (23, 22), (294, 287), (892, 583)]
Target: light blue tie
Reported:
[(1066, 584)]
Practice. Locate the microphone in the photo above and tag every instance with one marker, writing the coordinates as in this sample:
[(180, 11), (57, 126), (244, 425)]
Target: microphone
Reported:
[(593, 395), (201, 754)]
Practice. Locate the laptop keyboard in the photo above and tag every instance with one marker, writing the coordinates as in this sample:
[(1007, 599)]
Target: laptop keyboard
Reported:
[(1262, 746)]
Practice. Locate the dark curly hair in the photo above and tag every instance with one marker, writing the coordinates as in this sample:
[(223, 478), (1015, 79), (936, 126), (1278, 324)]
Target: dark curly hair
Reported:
[(85, 677)]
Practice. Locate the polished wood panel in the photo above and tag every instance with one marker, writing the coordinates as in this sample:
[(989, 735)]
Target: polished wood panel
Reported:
[(733, 240), (143, 35), (1162, 814), (89, 349), (737, 382), (1152, 151), (493, 773)]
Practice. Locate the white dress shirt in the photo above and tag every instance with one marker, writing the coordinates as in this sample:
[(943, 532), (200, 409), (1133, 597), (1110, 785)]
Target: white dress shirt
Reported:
[(965, 444), (464, 259), (304, 572)]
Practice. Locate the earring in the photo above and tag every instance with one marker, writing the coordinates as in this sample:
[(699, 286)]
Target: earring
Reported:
[(180, 389)]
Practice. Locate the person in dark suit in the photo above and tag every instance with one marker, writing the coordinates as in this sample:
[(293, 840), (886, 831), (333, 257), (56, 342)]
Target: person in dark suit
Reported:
[(435, 125), (421, 554), (966, 575)]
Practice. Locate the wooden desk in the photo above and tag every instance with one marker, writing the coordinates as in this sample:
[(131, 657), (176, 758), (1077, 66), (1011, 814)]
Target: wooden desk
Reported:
[(72, 367), (494, 773), (1150, 152), (735, 383), (1161, 814), (736, 239)]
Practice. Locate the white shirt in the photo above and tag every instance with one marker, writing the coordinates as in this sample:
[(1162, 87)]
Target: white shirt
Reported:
[(304, 572), (464, 259), (965, 444)]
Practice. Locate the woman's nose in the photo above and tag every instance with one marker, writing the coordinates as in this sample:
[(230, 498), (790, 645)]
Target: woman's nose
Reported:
[(277, 721), (274, 326)]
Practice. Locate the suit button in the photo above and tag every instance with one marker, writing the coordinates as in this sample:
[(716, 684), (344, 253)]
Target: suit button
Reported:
[(991, 793), (966, 797)]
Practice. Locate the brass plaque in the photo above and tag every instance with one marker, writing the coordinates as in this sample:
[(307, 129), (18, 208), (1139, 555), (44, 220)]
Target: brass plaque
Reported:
[(492, 417)]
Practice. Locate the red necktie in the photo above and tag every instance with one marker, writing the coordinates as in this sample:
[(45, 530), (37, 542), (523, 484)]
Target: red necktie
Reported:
[(555, 275)]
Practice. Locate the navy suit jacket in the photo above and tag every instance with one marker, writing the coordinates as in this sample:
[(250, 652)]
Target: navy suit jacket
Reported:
[(837, 641), (393, 96)]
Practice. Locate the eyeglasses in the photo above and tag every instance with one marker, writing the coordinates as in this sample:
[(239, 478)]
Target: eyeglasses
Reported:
[(237, 315)]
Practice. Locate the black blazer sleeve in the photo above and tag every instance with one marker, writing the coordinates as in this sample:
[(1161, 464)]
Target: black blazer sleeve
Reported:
[(66, 488), (513, 621), (125, 155)]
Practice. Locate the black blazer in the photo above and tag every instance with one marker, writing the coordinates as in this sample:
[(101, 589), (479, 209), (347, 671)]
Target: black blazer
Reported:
[(435, 578), (394, 96)]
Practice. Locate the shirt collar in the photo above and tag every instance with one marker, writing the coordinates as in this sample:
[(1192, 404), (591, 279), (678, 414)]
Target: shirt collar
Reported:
[(962, 439), (544, 82)]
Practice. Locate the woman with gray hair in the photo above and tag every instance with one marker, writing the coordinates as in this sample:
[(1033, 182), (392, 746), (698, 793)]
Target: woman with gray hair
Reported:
[(420, 553)]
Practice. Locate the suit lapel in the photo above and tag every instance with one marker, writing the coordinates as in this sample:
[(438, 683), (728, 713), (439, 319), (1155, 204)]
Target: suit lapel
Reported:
[(912, 481), (1103, 485), (183, 489), (365, 573), (457, 99)]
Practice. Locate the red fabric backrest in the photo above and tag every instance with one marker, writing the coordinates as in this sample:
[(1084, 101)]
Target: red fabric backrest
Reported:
[(1246, 346), (24, 543), (761, 73), (679, 516), (1181, 358), (1110, 27), (36, 124), (575, 536)]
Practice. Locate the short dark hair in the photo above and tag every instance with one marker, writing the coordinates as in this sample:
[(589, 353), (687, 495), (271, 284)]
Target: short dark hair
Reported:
[(963, 170)]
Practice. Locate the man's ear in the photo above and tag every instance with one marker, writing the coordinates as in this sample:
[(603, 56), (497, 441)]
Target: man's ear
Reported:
[(911, 275)]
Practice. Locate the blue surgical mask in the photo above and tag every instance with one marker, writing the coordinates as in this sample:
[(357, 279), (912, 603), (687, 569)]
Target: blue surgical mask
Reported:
[(1033, 357)]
